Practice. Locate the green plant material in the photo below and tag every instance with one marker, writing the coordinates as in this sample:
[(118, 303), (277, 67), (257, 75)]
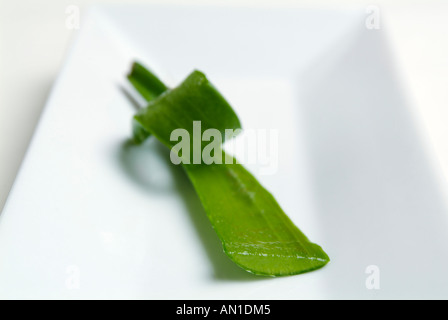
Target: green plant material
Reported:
[(145, 82), (149, 87), (255, 232)]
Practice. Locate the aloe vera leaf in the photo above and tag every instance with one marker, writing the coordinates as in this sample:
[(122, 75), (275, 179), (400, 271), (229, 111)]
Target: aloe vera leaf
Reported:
[(149, 86), (255, 232), (146, 82)]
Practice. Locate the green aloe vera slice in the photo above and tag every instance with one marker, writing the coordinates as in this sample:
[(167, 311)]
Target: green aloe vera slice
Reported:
[(255, 232), (150, 87)]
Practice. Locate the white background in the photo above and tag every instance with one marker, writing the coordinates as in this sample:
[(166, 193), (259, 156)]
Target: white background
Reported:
[(34, 39)]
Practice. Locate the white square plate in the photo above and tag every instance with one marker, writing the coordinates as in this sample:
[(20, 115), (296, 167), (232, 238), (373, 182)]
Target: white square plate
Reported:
[(90, 216)]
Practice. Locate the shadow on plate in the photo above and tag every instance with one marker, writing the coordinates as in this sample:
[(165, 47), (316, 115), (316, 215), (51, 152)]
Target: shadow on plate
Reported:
[(375, 191), (132, 158)]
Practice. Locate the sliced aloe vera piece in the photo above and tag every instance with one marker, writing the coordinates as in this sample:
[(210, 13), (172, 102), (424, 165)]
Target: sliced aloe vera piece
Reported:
[(146, 82), (255, 232), (149, 87)]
